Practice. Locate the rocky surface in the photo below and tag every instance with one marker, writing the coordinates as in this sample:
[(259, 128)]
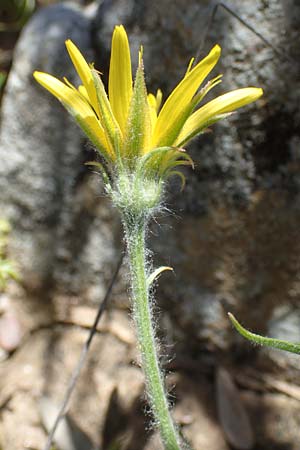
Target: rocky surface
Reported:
[(49, 201), (232, 239)]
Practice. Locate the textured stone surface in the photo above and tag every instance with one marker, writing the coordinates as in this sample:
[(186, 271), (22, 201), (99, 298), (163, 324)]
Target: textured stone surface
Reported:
[(233, 238), (61, 229), (241, 203)]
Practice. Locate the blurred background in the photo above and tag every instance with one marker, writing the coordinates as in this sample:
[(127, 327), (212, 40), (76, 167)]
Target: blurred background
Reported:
[(232, 235)]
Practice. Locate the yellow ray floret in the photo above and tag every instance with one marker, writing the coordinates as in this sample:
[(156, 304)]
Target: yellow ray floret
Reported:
[(120, 76), (79, 109), (210, 112), (83, 92), (154, 102), (84, 72), (127, 125), (174, 111)]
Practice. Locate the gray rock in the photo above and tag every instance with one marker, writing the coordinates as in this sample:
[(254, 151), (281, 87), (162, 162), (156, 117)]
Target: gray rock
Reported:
[(285, 324), (234, 239), (59, 222), (244, 152), (233, 235)]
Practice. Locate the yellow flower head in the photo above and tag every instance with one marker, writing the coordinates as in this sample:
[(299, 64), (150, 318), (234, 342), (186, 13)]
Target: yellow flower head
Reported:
[(129, 126)]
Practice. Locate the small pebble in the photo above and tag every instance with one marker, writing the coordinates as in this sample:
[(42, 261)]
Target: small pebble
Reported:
[(10, 332)]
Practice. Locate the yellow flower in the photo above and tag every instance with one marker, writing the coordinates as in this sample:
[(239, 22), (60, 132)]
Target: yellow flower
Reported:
[(127, 126)]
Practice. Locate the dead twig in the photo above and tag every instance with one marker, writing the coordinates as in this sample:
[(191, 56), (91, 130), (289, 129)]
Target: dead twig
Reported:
[(82, 357)]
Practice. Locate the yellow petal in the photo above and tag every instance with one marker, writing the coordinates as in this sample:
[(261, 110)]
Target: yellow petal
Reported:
[(152, 110), (189, 67), (221, 105), (81, 89), (84, 72), (83, 92), (158, 99), (152, 101), (205, 90), (171, 114), (63, 92), (120, 76), (79, 109)]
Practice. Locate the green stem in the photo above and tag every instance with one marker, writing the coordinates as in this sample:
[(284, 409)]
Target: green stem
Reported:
[(135, 235)]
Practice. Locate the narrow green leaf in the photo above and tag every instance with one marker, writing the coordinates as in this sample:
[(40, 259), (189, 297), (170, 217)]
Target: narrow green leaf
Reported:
[(102, 170), (156, 273), (180, 175), (261, 340), (150, 162), (15, 13)]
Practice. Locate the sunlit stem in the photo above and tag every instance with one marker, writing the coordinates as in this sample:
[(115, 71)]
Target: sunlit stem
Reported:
[(135, 237)]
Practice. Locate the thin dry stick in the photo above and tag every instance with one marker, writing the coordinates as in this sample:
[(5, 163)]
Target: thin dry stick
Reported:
[(228, 9), (82, 357)]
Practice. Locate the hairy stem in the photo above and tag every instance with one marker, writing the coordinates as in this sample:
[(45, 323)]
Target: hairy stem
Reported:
[(135, 236)]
